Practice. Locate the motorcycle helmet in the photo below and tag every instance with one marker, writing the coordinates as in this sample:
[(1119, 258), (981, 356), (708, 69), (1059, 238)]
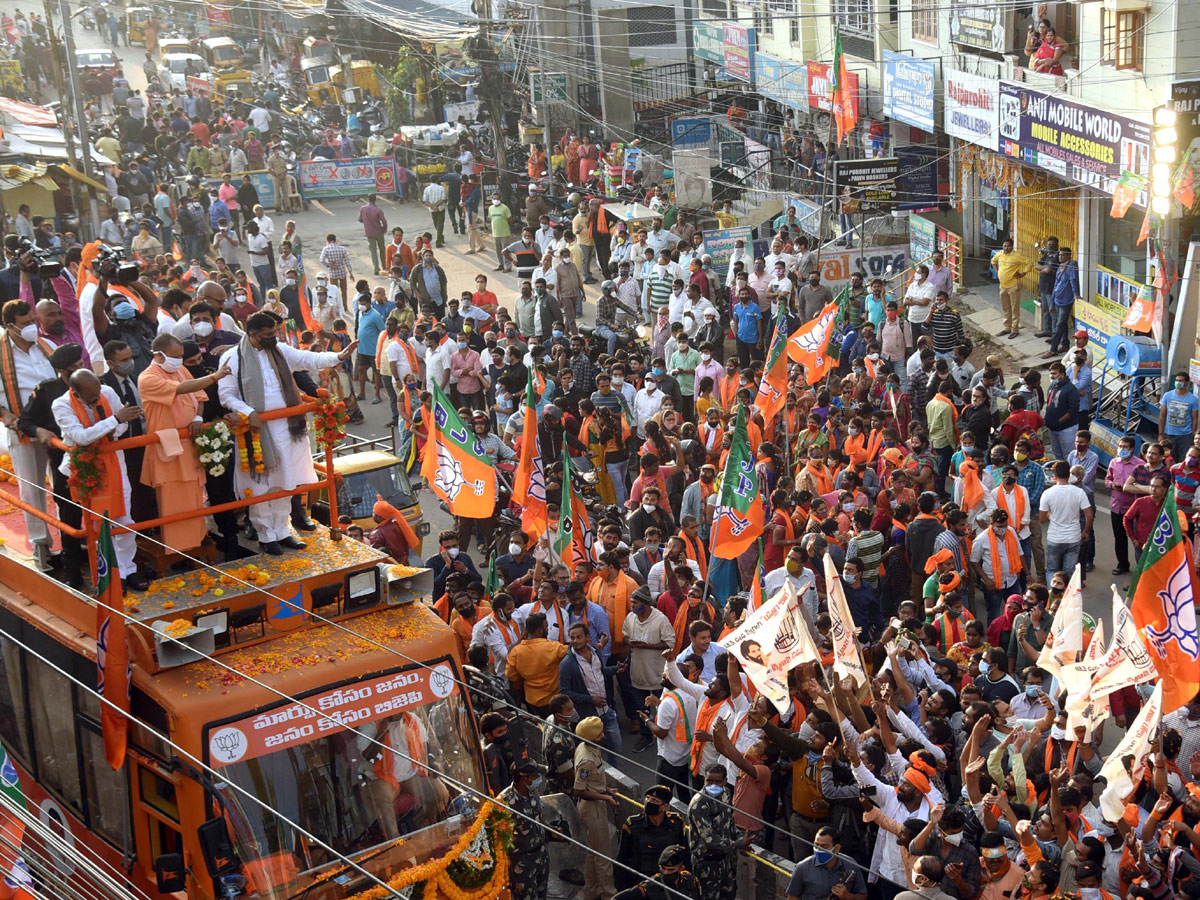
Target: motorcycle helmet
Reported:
[(575, 198), (609, 287), (550, 411)]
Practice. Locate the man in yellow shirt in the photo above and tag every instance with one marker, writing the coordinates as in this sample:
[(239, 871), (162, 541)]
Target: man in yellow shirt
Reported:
[(534, 663), (1011, 267)]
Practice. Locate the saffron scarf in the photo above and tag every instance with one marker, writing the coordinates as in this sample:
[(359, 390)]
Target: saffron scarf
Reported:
[(1012, 550), (704, 722), (109, 498)]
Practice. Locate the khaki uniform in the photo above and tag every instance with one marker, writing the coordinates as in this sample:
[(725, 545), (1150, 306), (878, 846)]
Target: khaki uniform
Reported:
[(597, 869)]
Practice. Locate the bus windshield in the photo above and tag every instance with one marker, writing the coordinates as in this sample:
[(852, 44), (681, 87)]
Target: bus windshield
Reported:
[(342, 787)]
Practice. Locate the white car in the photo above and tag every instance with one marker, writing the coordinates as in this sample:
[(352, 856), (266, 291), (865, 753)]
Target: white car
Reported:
[(172, 72)]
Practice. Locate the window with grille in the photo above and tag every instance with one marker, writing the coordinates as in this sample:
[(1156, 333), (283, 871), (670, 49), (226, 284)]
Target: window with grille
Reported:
[(1121, 39), (854, 15), (716, 9), (651, 26), (925, 21)]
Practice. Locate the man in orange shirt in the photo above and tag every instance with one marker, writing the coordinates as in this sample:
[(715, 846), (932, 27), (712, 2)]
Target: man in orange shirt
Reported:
[(533, 664), (399, 251), (611, 588), (464, 618)]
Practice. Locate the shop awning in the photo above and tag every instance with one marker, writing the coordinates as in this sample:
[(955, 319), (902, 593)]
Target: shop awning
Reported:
[(28, 113), (79, 176), (15, 176), (428, 20)]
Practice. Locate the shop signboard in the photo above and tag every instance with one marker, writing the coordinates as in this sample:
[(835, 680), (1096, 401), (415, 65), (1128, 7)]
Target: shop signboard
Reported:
[(979, 24), (867, 185), (1101, 314), (839, 265), (971, 108), (781, 80), (320, 178), (818, 87), (918, 179), (739, 51), (720, 245), (708, 41), (10, 75), (1185, 98), (695, 131), (733, 154), (1076, 142), (908, 86)]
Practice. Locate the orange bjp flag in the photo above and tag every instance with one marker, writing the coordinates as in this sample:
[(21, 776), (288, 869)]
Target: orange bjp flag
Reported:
[(529, 482), (455, 465), (809, 343), (1164, 592)]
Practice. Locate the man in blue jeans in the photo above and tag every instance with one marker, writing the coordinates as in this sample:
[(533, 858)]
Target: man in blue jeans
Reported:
[(1047, 267), (1061, 508), (1066, 292)]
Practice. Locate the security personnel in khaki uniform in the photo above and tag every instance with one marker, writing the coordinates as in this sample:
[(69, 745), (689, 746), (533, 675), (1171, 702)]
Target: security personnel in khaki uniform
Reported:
[(593, 796)]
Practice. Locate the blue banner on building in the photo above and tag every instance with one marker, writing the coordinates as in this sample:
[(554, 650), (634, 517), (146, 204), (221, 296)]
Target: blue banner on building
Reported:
[(691, 132), (908, 89), (781, 80)]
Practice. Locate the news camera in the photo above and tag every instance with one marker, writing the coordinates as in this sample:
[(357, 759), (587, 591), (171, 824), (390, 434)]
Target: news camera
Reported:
[(112, 265), (48, 265)]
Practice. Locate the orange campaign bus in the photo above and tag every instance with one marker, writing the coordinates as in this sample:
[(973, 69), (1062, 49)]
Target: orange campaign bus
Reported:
[(280, 684)]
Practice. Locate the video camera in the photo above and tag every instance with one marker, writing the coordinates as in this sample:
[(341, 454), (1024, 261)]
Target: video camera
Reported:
[(112, 265), (48, 265)]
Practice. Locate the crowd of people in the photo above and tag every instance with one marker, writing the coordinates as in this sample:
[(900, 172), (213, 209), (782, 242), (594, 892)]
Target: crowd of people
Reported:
[(953, 498)]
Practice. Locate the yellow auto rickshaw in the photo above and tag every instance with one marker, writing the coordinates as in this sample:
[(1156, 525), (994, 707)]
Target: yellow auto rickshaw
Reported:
[(138, 18), (318, 81), (366, 471), (221, 53), (318, 48), (358, 73), (234, 84), (168, 44)]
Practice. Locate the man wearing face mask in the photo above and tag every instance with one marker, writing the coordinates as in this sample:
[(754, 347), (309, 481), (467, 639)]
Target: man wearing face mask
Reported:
[(713, 838), (943, 837), (260, 379), (996, 561), (170, 397), (529, 859), (825, 873), (813, 297), (646, 835), (90, 413), (25, 363)]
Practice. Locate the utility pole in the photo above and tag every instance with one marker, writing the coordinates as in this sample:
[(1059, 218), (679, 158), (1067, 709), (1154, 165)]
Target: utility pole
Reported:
[(68, 63), (68, 128), (489, 88)]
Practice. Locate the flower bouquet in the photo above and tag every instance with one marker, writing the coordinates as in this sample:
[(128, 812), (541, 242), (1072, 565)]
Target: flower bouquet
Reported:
[(214, 446)]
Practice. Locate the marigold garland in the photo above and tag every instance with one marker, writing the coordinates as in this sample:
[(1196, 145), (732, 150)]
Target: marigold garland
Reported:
[(329, 420), (86, 477), (438, 874), (249, 446)]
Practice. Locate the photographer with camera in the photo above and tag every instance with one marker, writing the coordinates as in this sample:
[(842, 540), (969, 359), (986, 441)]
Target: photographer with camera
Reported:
[(130, 316), (23, 267), (101, 261)]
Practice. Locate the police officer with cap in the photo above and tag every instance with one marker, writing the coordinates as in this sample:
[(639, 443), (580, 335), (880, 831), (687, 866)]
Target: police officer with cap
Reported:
[(671, 881), (647, 834), (529, 860)]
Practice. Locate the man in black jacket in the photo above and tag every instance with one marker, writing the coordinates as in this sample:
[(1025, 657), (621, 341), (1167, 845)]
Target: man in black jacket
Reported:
[(919, 539)]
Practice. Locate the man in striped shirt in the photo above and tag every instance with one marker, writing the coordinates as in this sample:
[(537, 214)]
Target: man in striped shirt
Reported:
[(658, 283), (866, 546), (336, 261), (945, 327)]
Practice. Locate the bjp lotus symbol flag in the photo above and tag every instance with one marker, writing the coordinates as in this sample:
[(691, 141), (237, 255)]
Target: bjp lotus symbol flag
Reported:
[(1164, 593), (773, 386), (455, 464), (738, 519), (113, 675), (574, 525), (809, 344), (529, 483)]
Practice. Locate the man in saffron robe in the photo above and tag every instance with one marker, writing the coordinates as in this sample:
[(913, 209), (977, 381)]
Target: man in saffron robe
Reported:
[(171, 400)]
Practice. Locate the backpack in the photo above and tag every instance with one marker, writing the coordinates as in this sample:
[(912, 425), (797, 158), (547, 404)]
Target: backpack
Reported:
[(1037, 449)]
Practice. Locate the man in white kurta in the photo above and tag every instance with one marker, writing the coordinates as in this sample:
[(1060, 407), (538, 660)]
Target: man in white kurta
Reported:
[(253, 386), (106, 417)]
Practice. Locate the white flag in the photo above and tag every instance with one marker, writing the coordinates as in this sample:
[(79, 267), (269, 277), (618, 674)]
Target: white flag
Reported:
[(772, 641), (1126, 764), (1082, 708), (1125, 661), (847, 658), (1065, 639)]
